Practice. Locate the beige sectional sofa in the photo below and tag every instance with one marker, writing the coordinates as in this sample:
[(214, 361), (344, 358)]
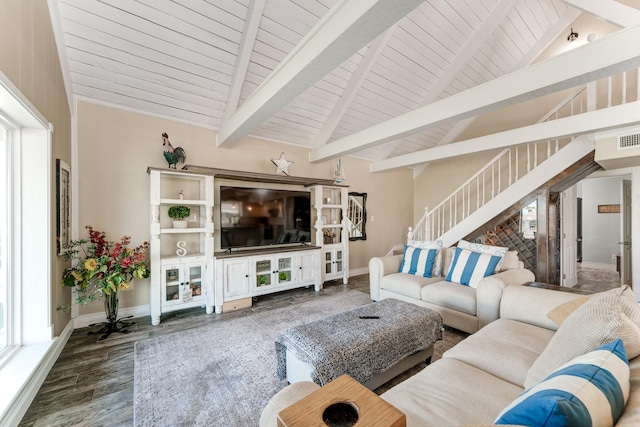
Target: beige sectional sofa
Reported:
[(481, 376), (462, 307)]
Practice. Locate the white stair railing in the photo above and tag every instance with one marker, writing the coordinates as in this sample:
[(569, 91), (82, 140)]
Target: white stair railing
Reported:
[(511, 164)]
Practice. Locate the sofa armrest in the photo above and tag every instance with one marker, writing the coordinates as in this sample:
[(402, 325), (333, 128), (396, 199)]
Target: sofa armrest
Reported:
[(490, 289), (531, 305), (379, 267), (283, 399)]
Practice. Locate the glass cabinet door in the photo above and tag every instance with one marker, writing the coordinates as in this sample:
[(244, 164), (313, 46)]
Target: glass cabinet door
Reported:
[(263, 273), (172, 280), (328, 261), (338, 261), (285, 270), (195, 280)]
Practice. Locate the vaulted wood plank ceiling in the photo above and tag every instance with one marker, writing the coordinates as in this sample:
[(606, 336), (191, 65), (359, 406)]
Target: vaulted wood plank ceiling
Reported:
[(178, 59)]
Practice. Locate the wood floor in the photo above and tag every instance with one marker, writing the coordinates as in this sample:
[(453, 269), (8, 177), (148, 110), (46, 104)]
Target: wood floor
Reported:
[(91, 384)]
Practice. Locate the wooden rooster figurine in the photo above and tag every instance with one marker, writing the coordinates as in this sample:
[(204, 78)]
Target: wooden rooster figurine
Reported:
[(173, 155)]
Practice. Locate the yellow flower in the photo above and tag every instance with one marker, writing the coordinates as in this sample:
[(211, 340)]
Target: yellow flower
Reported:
[(123, 285), (90, 264), (77, 276)]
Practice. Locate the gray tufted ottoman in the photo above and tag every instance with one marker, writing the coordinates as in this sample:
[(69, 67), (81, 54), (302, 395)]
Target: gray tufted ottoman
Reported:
[(373, 344)]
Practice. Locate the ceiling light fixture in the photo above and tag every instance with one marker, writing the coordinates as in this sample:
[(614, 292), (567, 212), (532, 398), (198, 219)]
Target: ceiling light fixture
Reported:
[(572, 36)]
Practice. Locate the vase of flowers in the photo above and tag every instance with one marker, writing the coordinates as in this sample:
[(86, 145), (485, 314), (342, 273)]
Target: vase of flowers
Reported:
[(100, 268)]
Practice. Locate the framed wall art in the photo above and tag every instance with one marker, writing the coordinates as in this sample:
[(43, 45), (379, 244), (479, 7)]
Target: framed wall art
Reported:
[(63, 205)]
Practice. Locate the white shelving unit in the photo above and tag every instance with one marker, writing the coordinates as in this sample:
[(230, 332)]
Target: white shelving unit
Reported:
[(182, 263), (330, 204), (202, 277)]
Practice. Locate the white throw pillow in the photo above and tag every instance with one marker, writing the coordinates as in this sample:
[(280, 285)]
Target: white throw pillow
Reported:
[(510, 261), (604, 318)]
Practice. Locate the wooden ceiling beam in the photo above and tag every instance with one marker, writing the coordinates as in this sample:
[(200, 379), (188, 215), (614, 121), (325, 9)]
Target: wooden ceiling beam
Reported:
[(601, 58), (610, 10), (549, 35), (254, 14), (373, 52), (347, 27), (593, 121), (462, 58)]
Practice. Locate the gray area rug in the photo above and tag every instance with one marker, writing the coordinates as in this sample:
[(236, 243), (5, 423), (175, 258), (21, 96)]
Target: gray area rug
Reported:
[(221, 374)]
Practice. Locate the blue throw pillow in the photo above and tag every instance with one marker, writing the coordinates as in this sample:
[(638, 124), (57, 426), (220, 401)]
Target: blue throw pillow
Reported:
[(468, 268), (590, 390), (418, 261)]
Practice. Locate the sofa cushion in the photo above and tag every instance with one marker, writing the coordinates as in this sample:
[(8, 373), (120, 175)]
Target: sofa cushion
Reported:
[(434, 244), (591, 389), (418, 261), (451, 393), (519, 346), (604, 318), (451, 295), (499, 251), (509, 262), (406, 284), (468, 268)]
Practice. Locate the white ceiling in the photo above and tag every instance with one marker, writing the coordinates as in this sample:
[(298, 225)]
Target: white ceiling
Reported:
[(178, 59)]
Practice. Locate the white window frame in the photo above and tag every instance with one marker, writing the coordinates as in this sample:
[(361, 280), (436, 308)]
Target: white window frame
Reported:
[(7, 353), (31, 252)]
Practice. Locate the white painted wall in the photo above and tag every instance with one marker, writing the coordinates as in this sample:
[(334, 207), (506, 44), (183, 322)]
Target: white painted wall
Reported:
[(635, 231), (601, 231)]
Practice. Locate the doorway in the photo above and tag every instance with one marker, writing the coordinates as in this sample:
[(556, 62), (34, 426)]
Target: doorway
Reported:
[(603, 202)]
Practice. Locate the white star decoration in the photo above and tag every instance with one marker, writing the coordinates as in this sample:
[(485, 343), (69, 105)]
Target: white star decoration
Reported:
[(282, 164)]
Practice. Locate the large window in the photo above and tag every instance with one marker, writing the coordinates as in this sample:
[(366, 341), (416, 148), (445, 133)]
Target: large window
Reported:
[(26, 329)]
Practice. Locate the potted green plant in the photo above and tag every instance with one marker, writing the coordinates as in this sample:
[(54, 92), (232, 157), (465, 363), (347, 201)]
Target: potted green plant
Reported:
[(179, 214), (262, 280)]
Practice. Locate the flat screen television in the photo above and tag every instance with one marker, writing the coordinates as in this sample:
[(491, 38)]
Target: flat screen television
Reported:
[(251, 217)]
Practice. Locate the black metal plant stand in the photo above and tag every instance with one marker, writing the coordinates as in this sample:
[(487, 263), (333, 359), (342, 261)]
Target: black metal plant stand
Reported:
[(113, 324)]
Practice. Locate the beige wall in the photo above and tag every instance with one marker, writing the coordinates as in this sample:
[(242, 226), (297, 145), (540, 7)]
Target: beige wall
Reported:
[(115, 147), (29, 58)]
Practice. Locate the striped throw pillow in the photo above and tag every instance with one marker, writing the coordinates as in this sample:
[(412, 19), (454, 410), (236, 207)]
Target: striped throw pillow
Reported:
[(500, 251), (418, 261), (590, 390), (468, 268), (430, 244)]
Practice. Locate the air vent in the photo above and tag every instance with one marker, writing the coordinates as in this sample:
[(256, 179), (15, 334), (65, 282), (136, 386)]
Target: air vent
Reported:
[(629, 141)]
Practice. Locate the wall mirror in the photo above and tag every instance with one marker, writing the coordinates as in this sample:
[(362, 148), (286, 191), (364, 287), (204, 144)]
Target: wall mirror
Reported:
[(357, 216)]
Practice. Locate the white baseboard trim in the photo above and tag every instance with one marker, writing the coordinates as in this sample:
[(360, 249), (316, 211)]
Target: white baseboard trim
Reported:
[(359, 271), (50, 352), (88, 319), (599, 266)]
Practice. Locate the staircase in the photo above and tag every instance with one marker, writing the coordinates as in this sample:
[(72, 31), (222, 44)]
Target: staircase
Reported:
[(513, 173), (462, 212)]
